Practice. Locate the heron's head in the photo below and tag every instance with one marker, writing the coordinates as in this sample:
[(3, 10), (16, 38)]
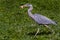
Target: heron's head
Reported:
[(26, 5)]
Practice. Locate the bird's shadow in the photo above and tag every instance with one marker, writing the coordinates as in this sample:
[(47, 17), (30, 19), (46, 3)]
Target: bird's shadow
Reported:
[(40, 33)]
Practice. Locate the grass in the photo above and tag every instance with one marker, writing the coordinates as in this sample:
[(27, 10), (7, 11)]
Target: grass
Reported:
[(15, 22)]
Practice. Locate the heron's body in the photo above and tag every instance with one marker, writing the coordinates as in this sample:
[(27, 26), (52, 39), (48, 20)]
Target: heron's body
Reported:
[(40, 19)]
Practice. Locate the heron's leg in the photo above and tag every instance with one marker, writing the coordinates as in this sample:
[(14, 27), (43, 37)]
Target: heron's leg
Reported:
[(37, 32), (49, 28)]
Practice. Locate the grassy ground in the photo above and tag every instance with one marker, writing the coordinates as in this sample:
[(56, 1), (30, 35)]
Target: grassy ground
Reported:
[(15, 24)]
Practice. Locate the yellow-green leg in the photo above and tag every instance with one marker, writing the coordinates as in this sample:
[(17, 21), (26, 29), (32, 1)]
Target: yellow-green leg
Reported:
[(37, 32), (49, 28)]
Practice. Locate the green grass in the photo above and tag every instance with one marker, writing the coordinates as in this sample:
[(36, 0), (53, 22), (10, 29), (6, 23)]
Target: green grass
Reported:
[(15, 22)]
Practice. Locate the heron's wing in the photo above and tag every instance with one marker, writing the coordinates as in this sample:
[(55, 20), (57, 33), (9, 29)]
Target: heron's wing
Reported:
[(42, 19)]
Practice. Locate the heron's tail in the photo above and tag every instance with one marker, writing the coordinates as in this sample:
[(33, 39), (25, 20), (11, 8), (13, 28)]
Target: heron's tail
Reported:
[(54, 22)]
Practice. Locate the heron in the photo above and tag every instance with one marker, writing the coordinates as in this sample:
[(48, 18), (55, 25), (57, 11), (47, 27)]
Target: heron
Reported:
[(38, 18)]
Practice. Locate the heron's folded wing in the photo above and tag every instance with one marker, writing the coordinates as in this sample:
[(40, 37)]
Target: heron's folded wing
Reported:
[(42, 19)]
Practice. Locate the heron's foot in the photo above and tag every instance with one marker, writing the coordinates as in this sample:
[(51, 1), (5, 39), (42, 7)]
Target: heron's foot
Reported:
[(53, 31), (37, 32), (50, 29)]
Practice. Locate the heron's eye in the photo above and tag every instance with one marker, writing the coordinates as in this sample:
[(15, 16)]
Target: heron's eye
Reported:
[(30, 5)]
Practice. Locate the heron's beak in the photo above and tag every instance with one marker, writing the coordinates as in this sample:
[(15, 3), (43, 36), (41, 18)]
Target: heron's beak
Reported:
[(23, 6)]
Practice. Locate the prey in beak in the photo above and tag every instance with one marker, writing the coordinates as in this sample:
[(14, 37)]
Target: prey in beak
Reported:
[(23, 6)]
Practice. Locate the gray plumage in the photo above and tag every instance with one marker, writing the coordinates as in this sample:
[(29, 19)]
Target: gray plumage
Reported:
[(40, 19)]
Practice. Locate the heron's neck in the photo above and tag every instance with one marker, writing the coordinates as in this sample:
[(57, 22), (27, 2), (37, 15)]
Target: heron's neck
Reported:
[(29, 11)]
